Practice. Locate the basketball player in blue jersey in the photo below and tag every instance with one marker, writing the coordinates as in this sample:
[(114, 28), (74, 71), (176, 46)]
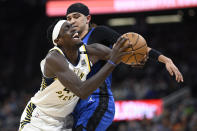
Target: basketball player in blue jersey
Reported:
[(97, 111), (64, 72)]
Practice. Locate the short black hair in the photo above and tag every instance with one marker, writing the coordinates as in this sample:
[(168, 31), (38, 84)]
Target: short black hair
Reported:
[(78, 7), (50, 31)]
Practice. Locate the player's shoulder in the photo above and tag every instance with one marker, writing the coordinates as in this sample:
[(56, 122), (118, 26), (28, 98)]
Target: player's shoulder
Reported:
[(105, 30), (55, 50), (102, 28), (54, 55), (49, 61)]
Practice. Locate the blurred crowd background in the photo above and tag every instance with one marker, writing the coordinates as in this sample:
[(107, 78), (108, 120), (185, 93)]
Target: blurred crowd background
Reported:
[(23, 45)]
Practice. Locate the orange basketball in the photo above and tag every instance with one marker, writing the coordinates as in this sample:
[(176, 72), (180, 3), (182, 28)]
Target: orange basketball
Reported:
[(138, 46)]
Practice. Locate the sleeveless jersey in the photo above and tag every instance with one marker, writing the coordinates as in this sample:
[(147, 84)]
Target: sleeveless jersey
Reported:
[(53, 98)]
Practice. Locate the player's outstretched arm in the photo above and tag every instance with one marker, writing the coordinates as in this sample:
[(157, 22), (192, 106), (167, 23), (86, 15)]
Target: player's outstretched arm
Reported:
[(56, 65), (170, 66)]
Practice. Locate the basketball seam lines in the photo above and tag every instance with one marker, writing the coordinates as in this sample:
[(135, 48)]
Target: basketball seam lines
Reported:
[(140, 47), (129, 58), (135, 50), (139, 54), (136, 58), (131, 48), (129, 42), (136, 41), (135, 55)]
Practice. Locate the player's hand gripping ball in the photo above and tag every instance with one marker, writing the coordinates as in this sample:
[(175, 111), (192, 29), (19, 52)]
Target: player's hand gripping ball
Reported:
[(138, 47)]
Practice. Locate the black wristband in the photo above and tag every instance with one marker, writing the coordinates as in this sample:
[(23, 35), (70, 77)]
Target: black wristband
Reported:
[(154, 54)]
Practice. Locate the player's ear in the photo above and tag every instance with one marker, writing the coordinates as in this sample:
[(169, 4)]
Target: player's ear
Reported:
[(88, 19), (56, 40), (59, 41)]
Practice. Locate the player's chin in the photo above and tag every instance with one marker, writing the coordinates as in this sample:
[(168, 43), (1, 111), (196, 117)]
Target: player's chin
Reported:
[(77, 42)]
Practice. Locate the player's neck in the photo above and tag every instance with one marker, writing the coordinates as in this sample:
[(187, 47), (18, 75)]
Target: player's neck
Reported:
[(83, 33), (71, 55)]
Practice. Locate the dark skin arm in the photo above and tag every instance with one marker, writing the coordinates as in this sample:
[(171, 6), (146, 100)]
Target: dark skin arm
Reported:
[(56, 65), (98, 52)]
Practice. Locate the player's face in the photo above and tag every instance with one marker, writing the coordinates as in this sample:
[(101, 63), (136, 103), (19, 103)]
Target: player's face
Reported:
[(78, 21), (68, 34)]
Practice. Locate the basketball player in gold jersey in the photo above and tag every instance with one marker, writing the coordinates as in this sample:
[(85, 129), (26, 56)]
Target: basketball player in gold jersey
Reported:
[(64, 72)]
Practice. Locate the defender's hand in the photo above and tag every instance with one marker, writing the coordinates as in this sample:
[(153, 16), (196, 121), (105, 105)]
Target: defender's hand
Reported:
[(173, 70)]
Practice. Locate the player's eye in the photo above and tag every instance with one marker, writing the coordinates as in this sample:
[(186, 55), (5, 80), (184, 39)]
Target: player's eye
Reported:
[(68, 18), (67, 27), (76, 16)]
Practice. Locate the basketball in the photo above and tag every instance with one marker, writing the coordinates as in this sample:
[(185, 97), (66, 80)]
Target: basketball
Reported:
[(138, 46)]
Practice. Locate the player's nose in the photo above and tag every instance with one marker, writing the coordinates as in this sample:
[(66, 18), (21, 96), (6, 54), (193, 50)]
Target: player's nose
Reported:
[(72, 21)]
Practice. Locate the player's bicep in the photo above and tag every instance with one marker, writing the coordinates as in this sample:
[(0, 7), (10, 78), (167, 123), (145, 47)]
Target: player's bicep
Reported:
[(100, 52)]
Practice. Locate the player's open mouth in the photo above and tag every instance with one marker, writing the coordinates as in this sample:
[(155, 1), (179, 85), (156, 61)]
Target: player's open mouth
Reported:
[(76, 35), (74, 26)]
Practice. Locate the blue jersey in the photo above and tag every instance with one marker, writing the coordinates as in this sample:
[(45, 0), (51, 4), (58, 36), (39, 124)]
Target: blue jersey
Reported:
[(96, 113), (96, 67)]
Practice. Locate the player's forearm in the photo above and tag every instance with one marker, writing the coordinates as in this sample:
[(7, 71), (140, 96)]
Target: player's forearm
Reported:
[(83, 89), (90, 85), (158, 56), (164, 59)]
